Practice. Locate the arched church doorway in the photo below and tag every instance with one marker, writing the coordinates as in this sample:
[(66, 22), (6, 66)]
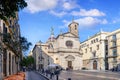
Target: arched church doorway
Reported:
[(94, 64), (70, 60)]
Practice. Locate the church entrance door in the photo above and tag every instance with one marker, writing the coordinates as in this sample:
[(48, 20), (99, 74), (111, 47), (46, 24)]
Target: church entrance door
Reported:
[(95, 65), (70, 65), (70, 60)]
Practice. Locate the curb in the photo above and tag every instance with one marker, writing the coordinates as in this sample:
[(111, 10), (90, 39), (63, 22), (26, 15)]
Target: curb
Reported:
[(43, 75), (26, 75)]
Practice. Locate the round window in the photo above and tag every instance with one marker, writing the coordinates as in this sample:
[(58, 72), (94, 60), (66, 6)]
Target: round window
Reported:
[(69, 44)]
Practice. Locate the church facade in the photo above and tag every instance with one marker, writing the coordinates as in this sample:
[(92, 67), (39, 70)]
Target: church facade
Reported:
[(64, 49)]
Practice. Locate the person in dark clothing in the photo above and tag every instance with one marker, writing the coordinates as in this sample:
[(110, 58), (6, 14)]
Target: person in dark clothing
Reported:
[(69, 78)]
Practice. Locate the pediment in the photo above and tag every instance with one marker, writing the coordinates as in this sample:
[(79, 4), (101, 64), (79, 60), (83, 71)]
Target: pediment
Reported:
[(69, 57)]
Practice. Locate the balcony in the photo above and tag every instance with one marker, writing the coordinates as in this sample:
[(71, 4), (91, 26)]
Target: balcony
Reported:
[(112, 55), (114, 61), (114, 46)]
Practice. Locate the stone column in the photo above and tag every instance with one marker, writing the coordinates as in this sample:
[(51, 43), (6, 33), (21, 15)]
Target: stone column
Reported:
[(11, 65), (7, 63)]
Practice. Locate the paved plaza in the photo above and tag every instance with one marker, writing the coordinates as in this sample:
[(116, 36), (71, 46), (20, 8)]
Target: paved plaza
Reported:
[(77, 75), (89, 75)]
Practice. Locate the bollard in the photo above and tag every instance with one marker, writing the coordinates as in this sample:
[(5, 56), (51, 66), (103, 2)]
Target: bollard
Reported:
[(69, 78)]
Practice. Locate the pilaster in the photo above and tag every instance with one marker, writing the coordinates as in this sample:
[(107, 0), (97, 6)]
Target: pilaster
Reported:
[(7, 64)]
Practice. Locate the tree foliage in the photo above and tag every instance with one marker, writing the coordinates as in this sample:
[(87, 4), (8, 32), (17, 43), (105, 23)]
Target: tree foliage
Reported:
[(16, 45), (27, 61), (30, 60), (8, 8), (24, 44)]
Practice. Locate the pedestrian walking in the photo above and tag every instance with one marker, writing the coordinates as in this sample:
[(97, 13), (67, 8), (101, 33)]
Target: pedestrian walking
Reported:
[(46, 72), (42, 71), (51, 73), (57, 72)]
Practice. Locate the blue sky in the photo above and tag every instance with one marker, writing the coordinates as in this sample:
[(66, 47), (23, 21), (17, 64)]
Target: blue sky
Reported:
[(92, 15)]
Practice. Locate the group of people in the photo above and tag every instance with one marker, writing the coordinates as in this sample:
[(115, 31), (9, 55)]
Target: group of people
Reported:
[(52, 72), (115, 68)]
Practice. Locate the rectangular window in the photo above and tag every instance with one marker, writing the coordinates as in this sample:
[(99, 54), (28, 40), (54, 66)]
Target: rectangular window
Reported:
[(114, 52), (97, 47), (114, 44), (94, 54), (96, 39), (92, 42), (85, 50), (114, 37), (90, 49)]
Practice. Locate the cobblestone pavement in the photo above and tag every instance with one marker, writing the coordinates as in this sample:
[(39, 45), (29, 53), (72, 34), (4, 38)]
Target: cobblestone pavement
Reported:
[(89, 75), (30, 75)]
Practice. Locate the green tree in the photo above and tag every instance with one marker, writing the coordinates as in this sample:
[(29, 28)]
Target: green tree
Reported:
[(23, 62), (27, 61), (8, 8), (24, 44), (30, 60)]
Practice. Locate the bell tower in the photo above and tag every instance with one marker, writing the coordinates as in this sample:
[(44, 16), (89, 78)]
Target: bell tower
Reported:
[(73, 28)]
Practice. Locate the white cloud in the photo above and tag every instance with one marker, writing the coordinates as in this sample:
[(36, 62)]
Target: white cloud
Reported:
[(41, 5), (58, 14), (92, 12), (117, 20), (87, 22), (68, 5), (90, 21)]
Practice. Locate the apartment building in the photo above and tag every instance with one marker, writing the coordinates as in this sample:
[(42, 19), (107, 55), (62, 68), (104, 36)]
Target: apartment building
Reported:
[(113, 55), (93, 50), (10, 51)]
